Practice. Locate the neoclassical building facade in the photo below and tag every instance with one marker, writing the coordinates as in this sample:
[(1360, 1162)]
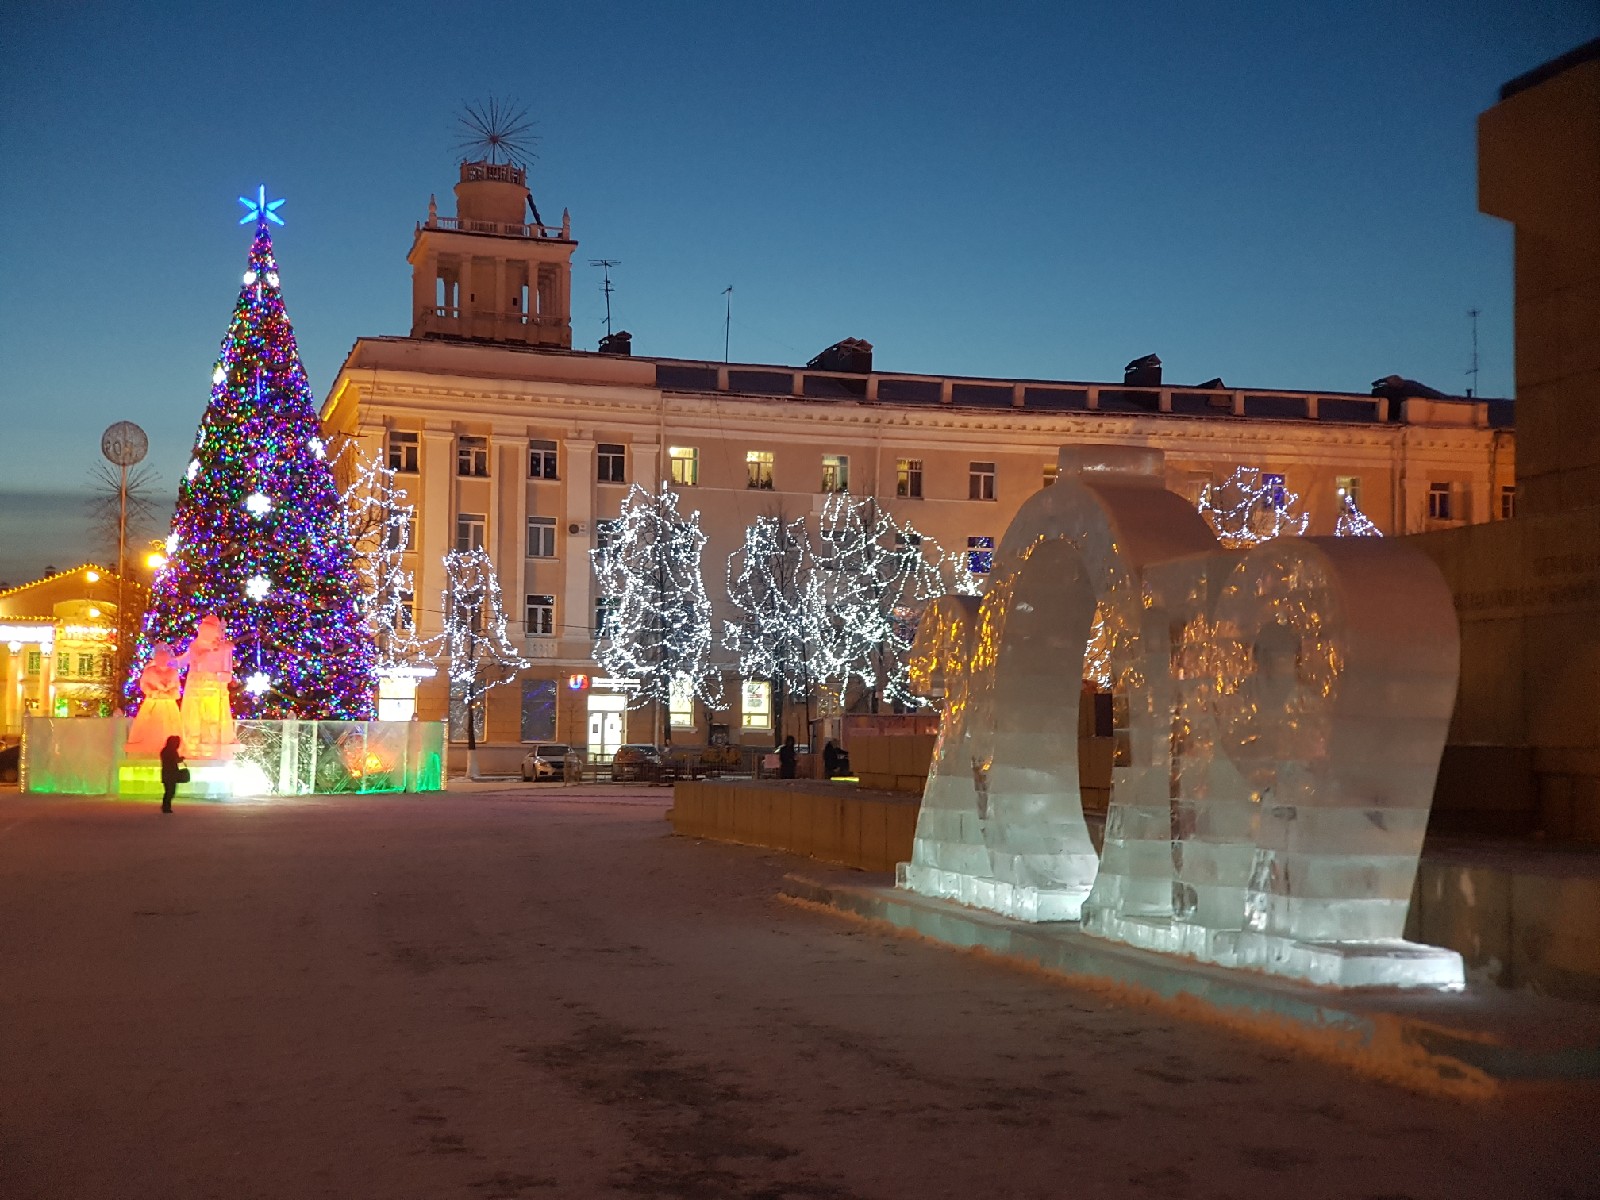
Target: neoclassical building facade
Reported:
[(506, 437)]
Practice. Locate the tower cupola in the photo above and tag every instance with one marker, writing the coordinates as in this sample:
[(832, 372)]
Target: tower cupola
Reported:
[(494, 272)]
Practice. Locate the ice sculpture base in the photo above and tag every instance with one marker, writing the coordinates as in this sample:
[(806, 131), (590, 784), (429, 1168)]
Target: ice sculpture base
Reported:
[(1009, 900), (1389, 963), (1166, 936)]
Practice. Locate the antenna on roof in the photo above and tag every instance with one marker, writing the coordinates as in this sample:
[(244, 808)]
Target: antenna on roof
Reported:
[(727, 321), (605, 264), (1472, 371)]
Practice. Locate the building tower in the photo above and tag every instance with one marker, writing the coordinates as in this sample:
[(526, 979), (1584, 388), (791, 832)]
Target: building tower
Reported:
[(492, 272)]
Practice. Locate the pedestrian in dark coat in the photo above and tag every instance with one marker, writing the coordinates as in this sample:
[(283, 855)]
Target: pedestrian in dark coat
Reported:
[(786, 758), (170, 760)]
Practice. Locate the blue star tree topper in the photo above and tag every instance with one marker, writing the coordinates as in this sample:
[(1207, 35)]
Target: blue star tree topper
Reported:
[(260, 210)]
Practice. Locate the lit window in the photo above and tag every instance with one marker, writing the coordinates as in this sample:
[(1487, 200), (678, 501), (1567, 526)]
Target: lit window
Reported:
[(908, 478), (1508, 502), (541, 537), (758, 469), (680, 703), (541, 616), (980, 481), (403, 452), (472, 456), (33, 662), (980, 555), (86, 665), (1439, 506), (684, 462), (542, 460), (836, 472), (470, 529), (1349, 487), (611, 463), (63, 664), (756, 707)]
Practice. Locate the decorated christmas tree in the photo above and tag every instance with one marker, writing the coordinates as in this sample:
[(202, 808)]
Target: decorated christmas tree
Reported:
[(258, 536)]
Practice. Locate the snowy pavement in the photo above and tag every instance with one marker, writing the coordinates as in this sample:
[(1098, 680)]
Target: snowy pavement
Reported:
[(513, 991)]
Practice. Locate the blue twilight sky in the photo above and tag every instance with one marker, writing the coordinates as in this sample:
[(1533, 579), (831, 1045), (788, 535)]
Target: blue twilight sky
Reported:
[(1280, 194)]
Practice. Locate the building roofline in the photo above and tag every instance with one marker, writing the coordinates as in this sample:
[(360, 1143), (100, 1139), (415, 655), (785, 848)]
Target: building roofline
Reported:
[(908, 376), (1545, 72)]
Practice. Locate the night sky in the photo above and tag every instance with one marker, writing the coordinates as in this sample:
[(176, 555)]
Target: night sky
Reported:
[(1283, 195)]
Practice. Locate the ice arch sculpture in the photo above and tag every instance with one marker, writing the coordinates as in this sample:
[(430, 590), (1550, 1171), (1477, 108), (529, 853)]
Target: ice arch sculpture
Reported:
[(1279, 713)]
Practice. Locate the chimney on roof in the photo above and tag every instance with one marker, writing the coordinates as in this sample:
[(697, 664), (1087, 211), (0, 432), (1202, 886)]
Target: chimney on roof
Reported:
[(852, 356), (1143, 372), (619, 343)]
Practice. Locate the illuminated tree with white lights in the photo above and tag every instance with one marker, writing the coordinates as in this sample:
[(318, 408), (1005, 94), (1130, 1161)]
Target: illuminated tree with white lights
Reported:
[(379, 522), (481, 653), (1352, 521), (657, 629), (772, 581), (1251, 507), (874, 575)]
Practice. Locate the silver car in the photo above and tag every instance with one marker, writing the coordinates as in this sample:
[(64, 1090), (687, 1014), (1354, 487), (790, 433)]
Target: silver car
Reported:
[(548, 760)]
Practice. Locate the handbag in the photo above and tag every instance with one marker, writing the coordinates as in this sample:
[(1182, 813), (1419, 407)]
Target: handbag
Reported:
[(183, 774)]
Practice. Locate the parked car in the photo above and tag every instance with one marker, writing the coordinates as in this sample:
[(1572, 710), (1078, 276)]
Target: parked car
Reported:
[(635, 762), (548, 760), (10, 762)]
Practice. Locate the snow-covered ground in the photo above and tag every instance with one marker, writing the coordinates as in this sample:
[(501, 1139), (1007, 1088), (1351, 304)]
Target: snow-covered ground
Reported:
[(535, 991)]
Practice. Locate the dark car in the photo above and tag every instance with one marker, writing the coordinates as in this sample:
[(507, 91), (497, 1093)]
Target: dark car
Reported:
[(639, 762), (10, 762), (548, 760)]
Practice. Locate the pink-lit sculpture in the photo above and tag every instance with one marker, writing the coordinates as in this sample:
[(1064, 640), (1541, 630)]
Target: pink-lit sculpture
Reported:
[(1279, 717), (207, 711), (158, 717)]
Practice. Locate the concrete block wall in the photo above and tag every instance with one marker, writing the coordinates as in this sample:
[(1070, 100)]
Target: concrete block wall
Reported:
[(831, 822)]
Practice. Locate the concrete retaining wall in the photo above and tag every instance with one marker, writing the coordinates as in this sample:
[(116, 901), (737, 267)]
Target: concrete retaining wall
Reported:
[(836, 823)]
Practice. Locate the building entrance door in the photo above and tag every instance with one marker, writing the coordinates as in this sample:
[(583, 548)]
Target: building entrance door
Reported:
[(606, 715)]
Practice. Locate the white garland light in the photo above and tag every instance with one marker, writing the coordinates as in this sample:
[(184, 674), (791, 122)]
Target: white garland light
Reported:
[(193, 469), (660, 626), (1352, 521), (1249, 508)]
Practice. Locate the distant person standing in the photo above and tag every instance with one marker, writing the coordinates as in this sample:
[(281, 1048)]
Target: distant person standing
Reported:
[(786, 758), (170, 778), (831, 758)]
